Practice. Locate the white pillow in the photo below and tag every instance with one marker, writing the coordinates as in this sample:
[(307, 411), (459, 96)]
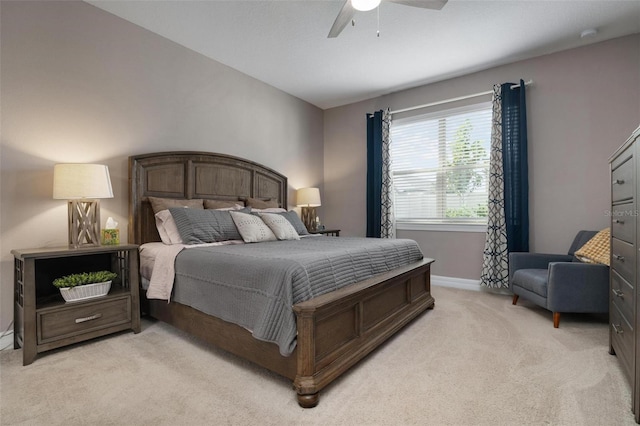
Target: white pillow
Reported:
[(167, 228), (252, 228), (280, 226)]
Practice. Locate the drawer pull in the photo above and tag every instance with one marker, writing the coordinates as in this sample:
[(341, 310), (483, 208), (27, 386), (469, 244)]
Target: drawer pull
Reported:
[(621, 222), (617, 182), (89, 318), (618, 257), (617, 329), (618, 293)]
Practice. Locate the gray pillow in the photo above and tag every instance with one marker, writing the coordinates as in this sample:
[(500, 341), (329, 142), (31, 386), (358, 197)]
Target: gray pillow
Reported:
[(294, 219), (205, 226)]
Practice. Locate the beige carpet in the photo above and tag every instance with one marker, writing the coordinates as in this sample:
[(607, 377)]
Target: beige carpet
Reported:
[(473, 360)]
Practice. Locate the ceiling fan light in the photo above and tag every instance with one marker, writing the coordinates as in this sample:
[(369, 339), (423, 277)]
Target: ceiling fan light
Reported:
[(364, 5)]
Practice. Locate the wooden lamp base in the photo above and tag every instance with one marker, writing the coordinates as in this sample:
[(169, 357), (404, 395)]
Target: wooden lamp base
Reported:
[(84, 223), (308, 217)]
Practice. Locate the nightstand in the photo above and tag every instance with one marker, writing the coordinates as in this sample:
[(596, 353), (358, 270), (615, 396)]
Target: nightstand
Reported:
[(42, 319), (330, 232)]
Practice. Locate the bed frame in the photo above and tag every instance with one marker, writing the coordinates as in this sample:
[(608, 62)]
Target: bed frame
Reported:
[(335, 330)]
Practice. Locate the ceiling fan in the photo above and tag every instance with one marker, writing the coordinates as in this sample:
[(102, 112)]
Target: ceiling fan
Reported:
[(350, 7)]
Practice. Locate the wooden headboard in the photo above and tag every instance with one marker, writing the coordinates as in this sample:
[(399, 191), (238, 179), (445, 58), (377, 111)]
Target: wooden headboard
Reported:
[(186, 175)]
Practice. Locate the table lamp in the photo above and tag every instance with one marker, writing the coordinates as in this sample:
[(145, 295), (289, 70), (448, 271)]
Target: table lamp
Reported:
[(308, 199), (83, 185)]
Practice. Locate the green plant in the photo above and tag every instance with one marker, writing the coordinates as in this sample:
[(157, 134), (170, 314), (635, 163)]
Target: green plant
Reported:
[(464, 173), (481, 210), (84, 278)]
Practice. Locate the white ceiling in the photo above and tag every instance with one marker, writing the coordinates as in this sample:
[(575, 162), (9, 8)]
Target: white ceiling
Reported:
[(284, 42)]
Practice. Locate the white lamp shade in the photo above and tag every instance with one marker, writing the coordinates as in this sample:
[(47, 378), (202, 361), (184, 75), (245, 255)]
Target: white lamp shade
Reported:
[(75, 181), (364, 5), (308, 197)]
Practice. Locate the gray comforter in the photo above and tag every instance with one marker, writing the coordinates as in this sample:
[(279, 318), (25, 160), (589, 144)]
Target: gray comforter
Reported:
[(256, 285)]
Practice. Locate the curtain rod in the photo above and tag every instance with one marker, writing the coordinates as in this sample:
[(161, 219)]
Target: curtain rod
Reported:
[(459, 98)]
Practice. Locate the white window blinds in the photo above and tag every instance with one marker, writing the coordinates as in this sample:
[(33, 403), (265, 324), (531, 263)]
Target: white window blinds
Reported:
[(440, 166)]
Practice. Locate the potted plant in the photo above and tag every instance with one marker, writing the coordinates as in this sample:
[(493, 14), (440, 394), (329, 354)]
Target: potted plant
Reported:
[(85, 285)]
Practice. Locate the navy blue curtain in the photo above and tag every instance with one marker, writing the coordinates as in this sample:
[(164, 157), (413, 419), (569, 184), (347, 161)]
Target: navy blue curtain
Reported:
[(514, 159), (374, 174)]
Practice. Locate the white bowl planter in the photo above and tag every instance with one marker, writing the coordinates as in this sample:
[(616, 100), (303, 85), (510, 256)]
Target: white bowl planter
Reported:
[(84, 292)]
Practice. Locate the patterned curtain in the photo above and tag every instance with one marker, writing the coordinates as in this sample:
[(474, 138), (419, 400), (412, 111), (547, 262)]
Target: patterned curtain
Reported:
[(495, 265), (508, 219), (387, 219), (380, 218)]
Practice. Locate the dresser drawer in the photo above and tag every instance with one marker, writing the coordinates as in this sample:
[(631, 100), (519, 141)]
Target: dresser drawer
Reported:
[(73, 320), (622, 340), (623, 259), (622, 295), (622, 186), (623, 222)]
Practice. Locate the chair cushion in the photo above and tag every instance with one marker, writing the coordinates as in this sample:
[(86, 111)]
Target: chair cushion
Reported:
[(534, 280)]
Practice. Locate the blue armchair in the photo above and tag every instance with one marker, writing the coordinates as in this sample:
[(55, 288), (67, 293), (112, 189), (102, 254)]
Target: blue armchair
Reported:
[(559, 282)]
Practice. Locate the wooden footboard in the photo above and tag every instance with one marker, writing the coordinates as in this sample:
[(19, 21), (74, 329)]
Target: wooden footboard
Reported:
[(340, 328)]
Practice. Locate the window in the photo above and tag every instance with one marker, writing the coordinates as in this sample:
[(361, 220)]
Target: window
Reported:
[(440, 166)]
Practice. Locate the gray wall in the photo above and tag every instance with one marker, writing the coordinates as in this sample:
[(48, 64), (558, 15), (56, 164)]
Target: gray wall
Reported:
[(584, 103), (81, 85)]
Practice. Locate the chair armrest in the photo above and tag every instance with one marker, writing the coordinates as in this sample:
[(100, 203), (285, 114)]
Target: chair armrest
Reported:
[(523, 260), (578, 287)]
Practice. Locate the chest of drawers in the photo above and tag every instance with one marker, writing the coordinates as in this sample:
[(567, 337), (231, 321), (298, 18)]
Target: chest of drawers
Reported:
[(623, 296)]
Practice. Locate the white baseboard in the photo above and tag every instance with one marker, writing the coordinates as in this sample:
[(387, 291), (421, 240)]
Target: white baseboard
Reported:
[(453, 282), (6, 341), (465, 284)]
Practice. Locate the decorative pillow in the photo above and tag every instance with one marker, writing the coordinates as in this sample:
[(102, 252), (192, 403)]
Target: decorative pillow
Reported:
[(159, 204), (281, 227), (261, 204), (597, 249), (222, 204), (205, 226), (295, 220), (167, 228), (252, 227)]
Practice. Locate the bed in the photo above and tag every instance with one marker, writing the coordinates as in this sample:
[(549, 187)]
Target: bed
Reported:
[(334, 330)]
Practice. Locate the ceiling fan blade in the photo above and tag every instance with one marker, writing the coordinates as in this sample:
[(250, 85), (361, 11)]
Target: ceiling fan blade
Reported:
[(425, 4), (343, 18)]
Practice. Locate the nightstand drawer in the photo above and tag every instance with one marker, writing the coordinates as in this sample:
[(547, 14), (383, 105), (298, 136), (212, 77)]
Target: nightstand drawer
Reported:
[(83, 318)]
